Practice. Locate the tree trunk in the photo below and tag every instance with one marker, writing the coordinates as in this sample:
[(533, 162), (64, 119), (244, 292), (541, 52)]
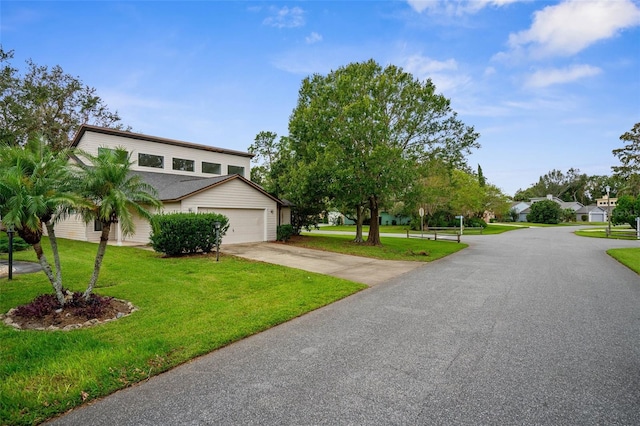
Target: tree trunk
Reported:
[(37, 247), (56, 255), (102, 248), (359, 220), (374, 227)]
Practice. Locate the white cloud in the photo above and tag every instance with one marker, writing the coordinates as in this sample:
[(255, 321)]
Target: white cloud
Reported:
[(571, 26), (285, 17), (313, 38), (458, 7), (548, 77), (444, 74), (422, 65)]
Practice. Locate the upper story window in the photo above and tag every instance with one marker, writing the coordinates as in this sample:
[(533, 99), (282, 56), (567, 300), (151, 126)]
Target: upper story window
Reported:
[(235, 170), (150, 160), (102, 150), (213, 168), (183, 165)]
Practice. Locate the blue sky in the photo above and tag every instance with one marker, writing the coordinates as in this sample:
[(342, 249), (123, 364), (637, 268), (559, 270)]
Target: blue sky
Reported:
[(547, 84)]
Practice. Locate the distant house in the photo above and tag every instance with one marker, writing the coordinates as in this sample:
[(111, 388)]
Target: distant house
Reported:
[(189, 178), (593, 213), (337, 218)]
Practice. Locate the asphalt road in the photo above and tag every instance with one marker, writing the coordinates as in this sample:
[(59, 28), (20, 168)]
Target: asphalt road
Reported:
[(534, 326)]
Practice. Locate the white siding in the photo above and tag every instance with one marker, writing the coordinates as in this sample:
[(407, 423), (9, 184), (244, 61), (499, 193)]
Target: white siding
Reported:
[(72, 228), (91, 141)]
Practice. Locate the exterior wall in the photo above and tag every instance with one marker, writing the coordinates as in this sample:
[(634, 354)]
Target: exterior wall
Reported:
[(143, 226), (91, 141), (72, 228), (236, 194)]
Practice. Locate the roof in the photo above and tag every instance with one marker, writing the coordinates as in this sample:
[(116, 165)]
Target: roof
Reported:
[(174, 187), (139, 136)]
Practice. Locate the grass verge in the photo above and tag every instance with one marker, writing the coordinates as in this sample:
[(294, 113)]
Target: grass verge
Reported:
[(187, 307), (630, 257), (393, 248), (617, 233)]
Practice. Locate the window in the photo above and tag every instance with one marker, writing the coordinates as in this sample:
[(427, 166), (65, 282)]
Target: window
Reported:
[(212, 168), (150, 160), (97, 225), (235, 170), (183, 165)]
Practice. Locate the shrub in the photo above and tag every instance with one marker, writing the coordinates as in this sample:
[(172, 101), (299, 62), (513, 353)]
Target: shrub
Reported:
[(39, 307), (284, 232), (186, 233), (584, 217), (476, 222), (545, 211), (46, 304), (18, 244)]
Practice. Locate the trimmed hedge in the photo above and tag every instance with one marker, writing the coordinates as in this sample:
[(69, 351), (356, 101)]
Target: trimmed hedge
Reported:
[(284, 232), (185, 233)]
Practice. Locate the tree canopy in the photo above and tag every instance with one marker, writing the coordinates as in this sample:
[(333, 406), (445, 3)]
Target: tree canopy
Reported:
[(629, 155), (47, 102), (358, 134)]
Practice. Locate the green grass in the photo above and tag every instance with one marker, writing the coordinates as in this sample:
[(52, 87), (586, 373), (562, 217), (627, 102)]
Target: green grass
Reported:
[(393, 248), (493, 228), (630, 257), (187, 307), (624, 232)]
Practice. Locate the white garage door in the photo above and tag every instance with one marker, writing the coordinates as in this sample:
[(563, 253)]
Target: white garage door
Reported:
[(245, 225)]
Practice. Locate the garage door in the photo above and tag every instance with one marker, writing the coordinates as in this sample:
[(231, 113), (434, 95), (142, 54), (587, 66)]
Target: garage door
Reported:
[(245, 225)]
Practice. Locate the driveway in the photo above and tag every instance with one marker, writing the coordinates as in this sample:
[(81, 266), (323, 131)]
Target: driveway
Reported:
[(354, 268), (534, 326)]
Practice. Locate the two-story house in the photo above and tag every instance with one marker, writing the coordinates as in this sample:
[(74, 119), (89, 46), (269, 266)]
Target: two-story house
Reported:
[(189, 178)]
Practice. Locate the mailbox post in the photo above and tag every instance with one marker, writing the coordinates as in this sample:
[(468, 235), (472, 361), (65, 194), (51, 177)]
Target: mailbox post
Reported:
[(461, 218), (217, 227), (421, 213)]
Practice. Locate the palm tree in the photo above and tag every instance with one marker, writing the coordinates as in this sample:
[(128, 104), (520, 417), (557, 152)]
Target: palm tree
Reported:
[(114, 194), (35, 189)]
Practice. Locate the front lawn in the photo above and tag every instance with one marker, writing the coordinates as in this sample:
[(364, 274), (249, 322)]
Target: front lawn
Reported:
[(393, 248), (187, 307), (630, 257)]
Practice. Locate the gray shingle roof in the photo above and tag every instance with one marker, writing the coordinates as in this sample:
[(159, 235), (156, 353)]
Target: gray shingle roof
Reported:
[(173, 187)]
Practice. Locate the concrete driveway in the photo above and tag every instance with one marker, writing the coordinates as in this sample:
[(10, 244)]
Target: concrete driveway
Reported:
[(530, 327), (354, 268)]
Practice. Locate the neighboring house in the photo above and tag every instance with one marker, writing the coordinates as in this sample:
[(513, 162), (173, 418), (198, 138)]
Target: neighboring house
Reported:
[(337, 218), (606, 202), (594, 213), (189, 178)]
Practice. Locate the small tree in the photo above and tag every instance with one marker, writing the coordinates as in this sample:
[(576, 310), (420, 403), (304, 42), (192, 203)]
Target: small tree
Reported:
[(568, 215), (35, 189), (545, 211), (626, 211), (113, 194)]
